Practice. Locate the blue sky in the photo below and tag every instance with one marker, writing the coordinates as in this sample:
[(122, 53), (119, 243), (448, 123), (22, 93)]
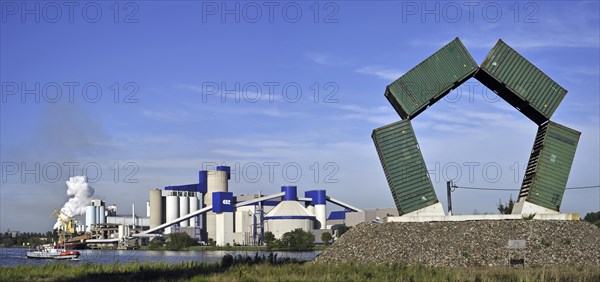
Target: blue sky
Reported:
[(180, 65)]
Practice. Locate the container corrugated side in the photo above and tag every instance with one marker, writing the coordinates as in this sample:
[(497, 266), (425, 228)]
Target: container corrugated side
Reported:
[(431, 80), (404, 166), (520, 83), (549, 165)]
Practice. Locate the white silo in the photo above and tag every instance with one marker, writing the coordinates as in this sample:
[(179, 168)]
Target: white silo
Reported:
[(156, 208), (193, 207), (318, 207), (288, 215), (148, 209), (90, 217), (217, 181), (172, 206), (184, 207), (101, 216)]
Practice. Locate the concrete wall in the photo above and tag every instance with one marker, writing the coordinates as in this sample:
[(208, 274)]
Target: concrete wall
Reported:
[(354, 218)]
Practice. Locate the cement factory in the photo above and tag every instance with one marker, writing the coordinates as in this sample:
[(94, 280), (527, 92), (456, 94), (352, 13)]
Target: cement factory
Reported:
[(211, 214)]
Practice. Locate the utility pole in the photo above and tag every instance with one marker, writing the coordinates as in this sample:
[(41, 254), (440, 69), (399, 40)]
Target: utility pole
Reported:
[(449, 192)]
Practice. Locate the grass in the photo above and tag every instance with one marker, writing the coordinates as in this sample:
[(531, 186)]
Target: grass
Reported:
[(270, 269)]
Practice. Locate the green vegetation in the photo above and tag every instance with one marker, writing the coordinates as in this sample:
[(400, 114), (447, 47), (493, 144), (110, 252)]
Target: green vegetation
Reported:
[(341, 230), (528, 216), (270, 269), (11, 239), (179, 241), (326, 238), (593, 218), (269, 238), (506, 208), (297, 240)]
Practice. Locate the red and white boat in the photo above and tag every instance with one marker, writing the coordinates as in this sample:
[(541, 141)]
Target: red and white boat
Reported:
[(50, 252)]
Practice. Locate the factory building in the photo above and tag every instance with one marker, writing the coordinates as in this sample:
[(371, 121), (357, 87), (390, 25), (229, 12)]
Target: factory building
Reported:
[(209, 212)]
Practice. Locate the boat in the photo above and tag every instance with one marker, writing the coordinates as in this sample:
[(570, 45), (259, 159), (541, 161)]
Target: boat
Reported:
[(51, 252)]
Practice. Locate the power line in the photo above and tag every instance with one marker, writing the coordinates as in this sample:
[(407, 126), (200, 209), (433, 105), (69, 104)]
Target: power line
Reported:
[(513, 189), (582, 187), (484, 188)]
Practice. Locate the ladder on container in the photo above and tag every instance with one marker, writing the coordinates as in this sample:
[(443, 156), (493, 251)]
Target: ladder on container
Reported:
[(531, 169)]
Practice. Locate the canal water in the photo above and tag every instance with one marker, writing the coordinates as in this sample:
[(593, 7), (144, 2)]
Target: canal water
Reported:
[(16, 256)]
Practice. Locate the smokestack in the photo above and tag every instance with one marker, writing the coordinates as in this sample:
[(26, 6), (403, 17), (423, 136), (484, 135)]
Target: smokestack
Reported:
[(80, 194)]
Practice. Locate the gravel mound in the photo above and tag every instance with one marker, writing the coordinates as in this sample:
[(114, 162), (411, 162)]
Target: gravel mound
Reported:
[(468, 243)]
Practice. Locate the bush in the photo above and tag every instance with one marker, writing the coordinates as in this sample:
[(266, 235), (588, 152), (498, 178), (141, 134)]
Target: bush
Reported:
[(506, 208), (179, 241), (341, 230), (227, 261), (269, 238), (326, 238), (155, 245), (297, 240), (593, 218)]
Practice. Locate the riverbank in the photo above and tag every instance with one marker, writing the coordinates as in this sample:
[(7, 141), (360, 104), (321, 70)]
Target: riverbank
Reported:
[(229, 248), (243, 270)]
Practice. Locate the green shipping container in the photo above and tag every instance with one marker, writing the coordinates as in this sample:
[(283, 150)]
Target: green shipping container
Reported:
[(549, 165), (520, 83), (404, 166), (431, 80)]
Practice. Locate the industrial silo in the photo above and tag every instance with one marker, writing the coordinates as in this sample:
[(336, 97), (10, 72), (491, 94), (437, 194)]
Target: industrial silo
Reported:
[(90, 217), (172, 212), (193, 207), (289, 214), (318, 207), (101, 215), (184, 207), (156, 208), (217, 181)]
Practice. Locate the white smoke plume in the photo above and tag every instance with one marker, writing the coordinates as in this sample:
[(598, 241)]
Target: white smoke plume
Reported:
[(80, 194)]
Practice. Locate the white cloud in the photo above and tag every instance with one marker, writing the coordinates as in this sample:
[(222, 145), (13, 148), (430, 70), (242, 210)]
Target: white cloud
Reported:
[(381, 72), (380, 115), (326, 59)]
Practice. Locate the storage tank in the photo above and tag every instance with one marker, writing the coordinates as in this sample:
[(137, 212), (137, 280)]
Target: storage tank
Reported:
[(184, 208), (156, 208), (318, 204), (101, 215), (148, 209), (90, 217), (288, 215), (217, 181), (193, 207), (172, 206)]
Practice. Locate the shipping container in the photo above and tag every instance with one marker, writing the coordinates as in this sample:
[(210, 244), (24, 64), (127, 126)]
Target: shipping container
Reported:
[(431, 80), (520, 83), (404, 166), (549, 165)]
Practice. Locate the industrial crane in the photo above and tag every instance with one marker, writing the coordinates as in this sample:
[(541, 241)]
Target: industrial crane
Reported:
[(68, 224)]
